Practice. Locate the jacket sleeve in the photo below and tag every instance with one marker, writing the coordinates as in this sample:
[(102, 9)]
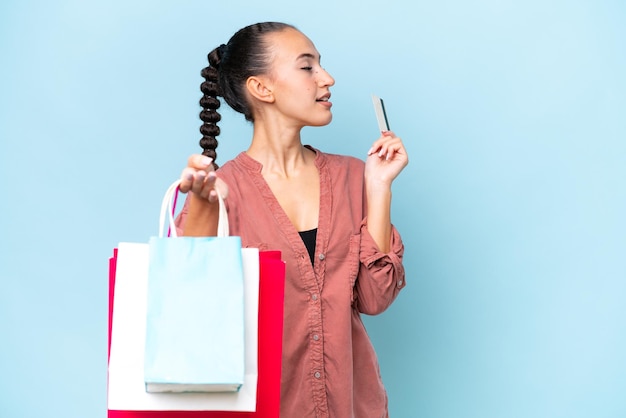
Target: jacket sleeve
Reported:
[(381, 276)]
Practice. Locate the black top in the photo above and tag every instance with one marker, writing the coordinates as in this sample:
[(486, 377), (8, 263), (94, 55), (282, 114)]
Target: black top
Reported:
[(309, 238)]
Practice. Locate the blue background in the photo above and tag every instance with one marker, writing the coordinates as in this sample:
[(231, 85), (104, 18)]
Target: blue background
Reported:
[(512, 207)]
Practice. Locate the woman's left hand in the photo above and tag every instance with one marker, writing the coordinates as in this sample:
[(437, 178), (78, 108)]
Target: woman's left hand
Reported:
[(386, 159)]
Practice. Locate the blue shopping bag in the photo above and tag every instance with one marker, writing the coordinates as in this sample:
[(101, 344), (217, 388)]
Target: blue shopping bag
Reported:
[(195, 314)]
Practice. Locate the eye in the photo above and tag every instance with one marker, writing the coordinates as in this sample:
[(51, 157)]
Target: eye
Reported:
[(307, 68)]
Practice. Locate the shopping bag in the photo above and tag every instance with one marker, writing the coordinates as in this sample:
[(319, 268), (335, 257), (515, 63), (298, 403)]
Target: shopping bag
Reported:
[(271, 302), (126, 389), (112, 268), (264, 285), (194, 327)]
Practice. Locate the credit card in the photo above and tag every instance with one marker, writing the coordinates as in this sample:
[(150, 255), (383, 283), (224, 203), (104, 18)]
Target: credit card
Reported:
[(381, 115)]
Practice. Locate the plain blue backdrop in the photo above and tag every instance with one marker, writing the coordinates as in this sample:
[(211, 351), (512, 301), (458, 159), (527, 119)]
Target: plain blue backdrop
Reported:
[(512, 207)]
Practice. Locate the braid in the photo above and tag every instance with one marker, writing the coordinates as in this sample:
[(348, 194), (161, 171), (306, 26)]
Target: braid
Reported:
[(246, 54), (210, 103)]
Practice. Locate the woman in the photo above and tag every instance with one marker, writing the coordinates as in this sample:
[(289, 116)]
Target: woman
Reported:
[(328, 214)]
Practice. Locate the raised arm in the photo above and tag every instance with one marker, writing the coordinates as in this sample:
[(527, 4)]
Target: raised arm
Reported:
[(385, 161)]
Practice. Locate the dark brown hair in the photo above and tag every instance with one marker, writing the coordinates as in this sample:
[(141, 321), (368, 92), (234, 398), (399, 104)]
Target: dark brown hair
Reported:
[(246, 54)]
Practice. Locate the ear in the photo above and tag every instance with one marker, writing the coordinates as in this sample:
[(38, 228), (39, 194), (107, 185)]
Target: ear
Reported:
[(260, 88)]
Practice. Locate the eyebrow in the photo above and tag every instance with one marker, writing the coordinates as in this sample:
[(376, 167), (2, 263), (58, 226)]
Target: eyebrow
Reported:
[(309, 55)]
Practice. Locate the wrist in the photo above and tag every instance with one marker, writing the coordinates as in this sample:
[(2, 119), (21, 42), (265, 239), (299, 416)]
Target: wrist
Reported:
[(377, 186)]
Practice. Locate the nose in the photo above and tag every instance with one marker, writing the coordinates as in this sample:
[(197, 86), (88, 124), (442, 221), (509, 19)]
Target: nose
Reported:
[(325, 78)]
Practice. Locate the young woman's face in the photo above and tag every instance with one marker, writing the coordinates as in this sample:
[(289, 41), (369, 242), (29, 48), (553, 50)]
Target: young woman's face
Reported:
[(300, 86)]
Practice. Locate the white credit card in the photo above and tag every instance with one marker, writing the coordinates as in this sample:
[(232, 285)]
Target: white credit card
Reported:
[(381, 115)]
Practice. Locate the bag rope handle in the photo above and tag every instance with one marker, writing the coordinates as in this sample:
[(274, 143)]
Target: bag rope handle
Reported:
[(168, 208)]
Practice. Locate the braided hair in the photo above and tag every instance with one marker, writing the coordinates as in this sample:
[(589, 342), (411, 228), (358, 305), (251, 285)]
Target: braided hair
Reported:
[(230, 65)]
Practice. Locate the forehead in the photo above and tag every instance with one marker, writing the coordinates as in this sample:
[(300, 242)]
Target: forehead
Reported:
[(291, 44)]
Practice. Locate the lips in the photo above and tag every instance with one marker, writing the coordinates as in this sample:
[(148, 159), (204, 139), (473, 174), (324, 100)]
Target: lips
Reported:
[(324, 98)]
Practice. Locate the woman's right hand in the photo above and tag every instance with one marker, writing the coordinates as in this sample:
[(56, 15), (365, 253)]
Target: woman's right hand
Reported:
[(200, 178)]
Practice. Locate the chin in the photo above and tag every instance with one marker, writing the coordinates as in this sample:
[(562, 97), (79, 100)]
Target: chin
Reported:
[(322, 122)]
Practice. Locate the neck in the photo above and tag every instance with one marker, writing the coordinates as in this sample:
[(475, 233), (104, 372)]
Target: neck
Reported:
[(279, 150)]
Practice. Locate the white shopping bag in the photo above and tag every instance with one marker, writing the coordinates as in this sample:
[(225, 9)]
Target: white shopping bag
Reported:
[(126, 386)]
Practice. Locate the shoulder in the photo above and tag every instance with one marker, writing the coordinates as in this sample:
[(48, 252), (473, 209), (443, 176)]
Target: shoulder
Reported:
[(227, 168), (240, 166), (338, 162)]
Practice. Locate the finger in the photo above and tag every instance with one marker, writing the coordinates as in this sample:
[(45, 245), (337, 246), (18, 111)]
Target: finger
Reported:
[(221, 187), (217, 190), (200, 162), (213, 196), (398, 148), (385, 138), (186, 179), (387, 147), (204, 183), (198, 181), (377, 147), (393, 151), (395, 146)]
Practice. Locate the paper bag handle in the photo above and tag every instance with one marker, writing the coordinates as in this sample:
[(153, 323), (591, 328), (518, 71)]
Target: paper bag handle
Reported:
[(168, 206)]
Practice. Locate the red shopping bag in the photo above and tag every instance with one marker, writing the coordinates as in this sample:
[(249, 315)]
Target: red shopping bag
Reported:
[(270, 332)]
